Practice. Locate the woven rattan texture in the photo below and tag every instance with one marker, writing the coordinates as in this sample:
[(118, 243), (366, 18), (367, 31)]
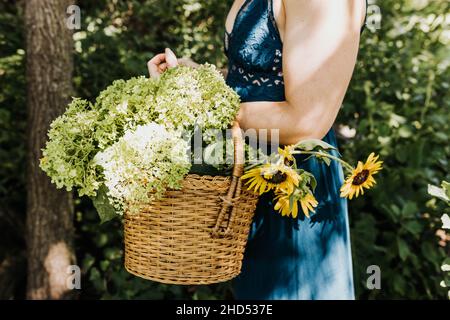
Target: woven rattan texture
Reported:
[(171, 240)]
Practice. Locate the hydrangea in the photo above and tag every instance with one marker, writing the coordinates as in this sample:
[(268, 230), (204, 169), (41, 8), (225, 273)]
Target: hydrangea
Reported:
[(183, 99), (70, 148), (122, 106), (188, 97), (142, 164), (84, 129)]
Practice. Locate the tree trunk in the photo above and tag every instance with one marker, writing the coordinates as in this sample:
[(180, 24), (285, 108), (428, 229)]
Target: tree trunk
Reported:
[(49, 211)]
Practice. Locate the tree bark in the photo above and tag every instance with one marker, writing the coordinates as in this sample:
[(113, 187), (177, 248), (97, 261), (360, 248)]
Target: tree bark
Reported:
[(49, 230)]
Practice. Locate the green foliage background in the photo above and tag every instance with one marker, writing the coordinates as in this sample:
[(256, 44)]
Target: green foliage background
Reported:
[(398, 104)]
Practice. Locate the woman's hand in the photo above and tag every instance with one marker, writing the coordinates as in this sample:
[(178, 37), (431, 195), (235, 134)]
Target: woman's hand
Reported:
[(163, 61)]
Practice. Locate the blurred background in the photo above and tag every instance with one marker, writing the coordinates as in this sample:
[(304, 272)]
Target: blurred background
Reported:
[(397, 105)]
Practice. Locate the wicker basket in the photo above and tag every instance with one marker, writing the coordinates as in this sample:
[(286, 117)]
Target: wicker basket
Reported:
[(196, 235)]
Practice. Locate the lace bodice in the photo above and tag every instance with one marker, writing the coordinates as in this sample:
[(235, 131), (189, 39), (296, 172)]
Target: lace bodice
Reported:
[(254, 51)]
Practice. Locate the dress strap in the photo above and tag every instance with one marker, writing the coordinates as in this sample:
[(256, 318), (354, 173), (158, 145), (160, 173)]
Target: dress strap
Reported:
[(272, 21)]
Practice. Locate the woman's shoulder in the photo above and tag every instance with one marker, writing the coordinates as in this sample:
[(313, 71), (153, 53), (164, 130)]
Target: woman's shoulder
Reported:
[(304, 14)]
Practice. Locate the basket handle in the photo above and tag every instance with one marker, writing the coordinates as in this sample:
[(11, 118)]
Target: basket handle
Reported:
[(235, 186)]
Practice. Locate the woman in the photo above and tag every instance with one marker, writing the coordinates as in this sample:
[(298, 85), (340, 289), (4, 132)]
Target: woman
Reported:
[(291, 62)]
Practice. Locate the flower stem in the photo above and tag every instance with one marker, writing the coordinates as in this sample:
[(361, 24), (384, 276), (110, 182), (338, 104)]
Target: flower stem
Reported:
[(326, 155)]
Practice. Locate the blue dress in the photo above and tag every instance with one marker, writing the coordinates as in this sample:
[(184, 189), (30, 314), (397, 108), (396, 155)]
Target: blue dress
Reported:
[(287, 258)]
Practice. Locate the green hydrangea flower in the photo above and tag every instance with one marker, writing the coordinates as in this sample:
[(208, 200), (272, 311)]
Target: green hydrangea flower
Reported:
[(70, 148)]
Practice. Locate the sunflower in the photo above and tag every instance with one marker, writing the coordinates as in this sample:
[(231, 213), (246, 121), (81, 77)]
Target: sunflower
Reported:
[(361, 177), (272, 177), (286, 154), (307, 202)]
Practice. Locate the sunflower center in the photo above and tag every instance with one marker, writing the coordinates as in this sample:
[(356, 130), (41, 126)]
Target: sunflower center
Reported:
[(277, 177), (360, 178), (288, 162)]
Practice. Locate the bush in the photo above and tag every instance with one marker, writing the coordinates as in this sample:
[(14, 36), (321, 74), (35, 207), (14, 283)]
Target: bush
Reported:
[(398, 103)]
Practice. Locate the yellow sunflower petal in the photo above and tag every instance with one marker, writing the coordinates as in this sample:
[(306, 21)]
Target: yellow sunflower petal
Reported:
[(304, 209), (251, 183), (371, 157), (277, 205), (295, 210), (350, 193), (314, 201)]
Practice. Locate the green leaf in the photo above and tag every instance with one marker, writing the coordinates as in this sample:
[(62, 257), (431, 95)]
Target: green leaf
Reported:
[(401, 154), (104, 265), (309, 179), (431, 252), (410, 209), (101, 203), (399, 284), (414, 227), (313, 144), (88, 262), (101, 239), (403, 249), (416, 154), (291, 201), (325, 159), (446, 186), (313, 183)]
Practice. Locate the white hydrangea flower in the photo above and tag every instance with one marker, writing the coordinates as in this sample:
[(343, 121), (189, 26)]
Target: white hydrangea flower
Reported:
[(122, 108), (143, 164)]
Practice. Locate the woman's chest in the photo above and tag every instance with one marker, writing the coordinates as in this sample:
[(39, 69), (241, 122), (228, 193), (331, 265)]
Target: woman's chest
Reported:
[(254, 40), (278, 12)]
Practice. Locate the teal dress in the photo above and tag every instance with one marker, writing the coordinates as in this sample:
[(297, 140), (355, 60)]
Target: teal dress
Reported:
[(287, 258)]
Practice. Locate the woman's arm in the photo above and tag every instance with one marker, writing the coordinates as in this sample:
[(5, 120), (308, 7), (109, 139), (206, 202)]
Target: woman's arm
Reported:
[(320, 48)]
